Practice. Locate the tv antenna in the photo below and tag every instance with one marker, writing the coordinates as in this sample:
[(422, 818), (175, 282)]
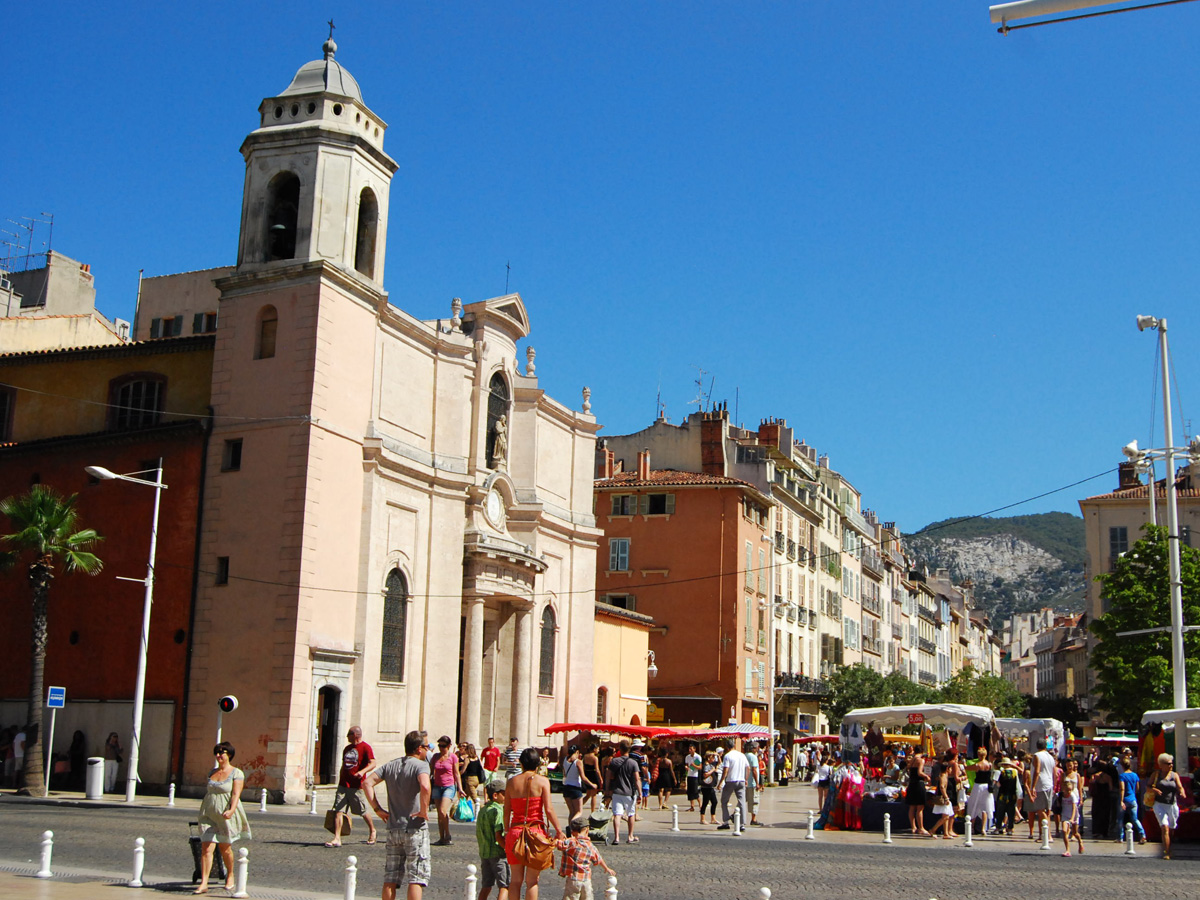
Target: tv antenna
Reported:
[(703, 399)]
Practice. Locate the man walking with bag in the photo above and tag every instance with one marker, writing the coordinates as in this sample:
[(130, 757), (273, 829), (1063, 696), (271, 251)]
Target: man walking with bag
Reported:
[(407, 817), (357, 761)]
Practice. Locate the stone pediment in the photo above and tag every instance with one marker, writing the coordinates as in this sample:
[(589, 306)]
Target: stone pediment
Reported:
[(506, 314)]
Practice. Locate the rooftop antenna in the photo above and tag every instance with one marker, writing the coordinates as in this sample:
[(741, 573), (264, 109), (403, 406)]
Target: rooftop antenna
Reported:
[(507, 272), (703, 400), (660, 408)]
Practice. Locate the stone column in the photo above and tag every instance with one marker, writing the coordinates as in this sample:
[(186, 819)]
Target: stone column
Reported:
[(522, 674), (472, 689)]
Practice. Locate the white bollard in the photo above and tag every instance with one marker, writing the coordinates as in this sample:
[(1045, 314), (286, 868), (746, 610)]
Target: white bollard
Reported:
[(139, 862), (812, 821), (969, 827), (887, 828), (469, 893), (675, 817), (312, 803), (765, 893), (242, 870), (611, 893), (262, 801), (171, 794), (351, 877), (737, 820), (1129, 851), (1045, 835), (47, 850)]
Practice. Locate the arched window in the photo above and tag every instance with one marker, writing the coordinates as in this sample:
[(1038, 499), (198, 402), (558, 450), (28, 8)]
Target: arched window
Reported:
[(364, 241), (283, 214), (497, 408), (602, 704), (395, 625), (546, 666), (268, 328), (136, 400)]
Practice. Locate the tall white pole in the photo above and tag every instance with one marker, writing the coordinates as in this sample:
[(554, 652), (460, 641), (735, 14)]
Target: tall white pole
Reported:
[(139, 695), (1178, 664), (771, 662)]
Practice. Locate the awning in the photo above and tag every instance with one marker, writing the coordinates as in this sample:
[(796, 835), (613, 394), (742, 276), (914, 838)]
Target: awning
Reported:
[(642, 731), (952, 715)]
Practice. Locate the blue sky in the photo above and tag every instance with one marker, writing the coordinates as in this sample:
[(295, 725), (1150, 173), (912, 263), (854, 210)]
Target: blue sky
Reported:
[(920, 242)]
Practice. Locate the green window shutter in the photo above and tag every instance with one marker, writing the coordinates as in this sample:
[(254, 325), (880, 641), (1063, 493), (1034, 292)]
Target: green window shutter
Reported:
[(177, 326), (616, 506), (155, 328), (198, 323), (671, 504), (643, 504)]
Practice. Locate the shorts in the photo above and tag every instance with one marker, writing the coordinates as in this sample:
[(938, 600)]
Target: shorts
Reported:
[(578, 889), (407, 857), (1041, 801), (571, 792), (693, 788), (436, 793), (349, 800), (645, 788), (623, 805), (472, 786), (1167, 814), (494, 872)]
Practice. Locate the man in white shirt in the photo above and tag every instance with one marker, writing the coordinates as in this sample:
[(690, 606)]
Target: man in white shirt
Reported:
[(1041, 778), (733, 783)]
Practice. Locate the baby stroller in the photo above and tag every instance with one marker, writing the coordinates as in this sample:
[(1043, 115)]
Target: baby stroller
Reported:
[(600, 825), (218, 867)]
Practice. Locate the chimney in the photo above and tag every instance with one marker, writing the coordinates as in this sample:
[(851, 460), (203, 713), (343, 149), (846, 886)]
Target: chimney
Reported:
[(1127, 476), (604, 460), (823, 461), (712, 441), (644, 465)]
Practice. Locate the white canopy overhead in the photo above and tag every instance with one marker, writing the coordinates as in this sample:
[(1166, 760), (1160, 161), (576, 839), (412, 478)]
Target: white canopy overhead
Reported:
[(952, 715), (1171, 716), (1051, 729)]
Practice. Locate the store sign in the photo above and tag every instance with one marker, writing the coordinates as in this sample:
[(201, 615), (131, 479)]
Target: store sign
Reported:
[(754, 718), (654, 713), (916, 718)]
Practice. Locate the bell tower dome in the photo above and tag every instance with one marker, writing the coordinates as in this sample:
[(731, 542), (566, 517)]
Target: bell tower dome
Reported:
[(317, 178)]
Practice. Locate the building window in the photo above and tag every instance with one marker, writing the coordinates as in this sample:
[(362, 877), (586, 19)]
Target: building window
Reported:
[(1118, 544), (762, 571), (749, 566), (368, 226), (657, 504), (395, 621), (8, 400), (283, 214), (136, 401), (546, 666), (618, 555), (602, 704), (169, 327), (624, 504), (222, 570), (621, 601), (231, 459), (204, 323), (498, 398), (268, 327)]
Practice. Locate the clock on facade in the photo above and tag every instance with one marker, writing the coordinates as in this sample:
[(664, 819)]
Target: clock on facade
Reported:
[(493, 508)]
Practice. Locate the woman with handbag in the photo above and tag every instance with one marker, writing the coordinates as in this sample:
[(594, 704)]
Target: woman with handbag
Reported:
[(221, 815), (527, 808), (447, 786), (1167, 792), (573, 783)]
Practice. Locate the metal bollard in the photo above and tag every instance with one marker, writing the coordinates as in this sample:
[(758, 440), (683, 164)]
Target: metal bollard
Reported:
[(675, 817), (611, 893), (812, 821), (351, 877), (262, 801), (242, 870), (737, 820), (969, 828), (139, 862), (1045, 835), (887, 828), (47, 850), (171, 794), (1129, 851), (312, 804), (469, 893)]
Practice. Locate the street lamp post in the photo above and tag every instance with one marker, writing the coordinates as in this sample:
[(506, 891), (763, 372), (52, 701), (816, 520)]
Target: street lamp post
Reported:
[(139, 695), (770, 664)]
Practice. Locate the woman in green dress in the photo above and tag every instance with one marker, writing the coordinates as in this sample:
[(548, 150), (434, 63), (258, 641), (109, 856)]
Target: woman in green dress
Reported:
[(222, 816)]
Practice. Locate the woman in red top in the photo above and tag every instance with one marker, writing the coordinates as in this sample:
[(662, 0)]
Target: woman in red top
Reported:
[(446, 786), (526, 803)]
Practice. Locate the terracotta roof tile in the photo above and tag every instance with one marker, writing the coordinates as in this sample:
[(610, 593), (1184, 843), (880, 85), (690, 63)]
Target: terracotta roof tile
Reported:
[(667, 477), (1160, 491)]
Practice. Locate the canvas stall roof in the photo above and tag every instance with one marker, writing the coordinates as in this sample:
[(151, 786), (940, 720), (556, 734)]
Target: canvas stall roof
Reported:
[(952, 715)]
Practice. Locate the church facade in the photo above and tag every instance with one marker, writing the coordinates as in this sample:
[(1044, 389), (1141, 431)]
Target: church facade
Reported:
[(396, 525)]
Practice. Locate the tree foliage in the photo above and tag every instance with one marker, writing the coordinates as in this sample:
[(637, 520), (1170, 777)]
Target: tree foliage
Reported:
[(1133, 674), (45, 532), (983, 689)]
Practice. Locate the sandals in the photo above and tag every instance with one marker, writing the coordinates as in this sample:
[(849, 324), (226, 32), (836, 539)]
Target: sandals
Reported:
[(332, 844), (633, 840)]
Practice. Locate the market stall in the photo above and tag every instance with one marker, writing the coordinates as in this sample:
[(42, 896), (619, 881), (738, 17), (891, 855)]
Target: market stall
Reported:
[(1172, 720), (1031, 731)]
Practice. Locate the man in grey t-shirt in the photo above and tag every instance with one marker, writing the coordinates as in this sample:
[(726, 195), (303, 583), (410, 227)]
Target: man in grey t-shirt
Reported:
[(407, 815)]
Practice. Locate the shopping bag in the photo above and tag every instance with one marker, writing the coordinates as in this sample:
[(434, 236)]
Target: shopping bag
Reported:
[(464, 810), (331, 822)]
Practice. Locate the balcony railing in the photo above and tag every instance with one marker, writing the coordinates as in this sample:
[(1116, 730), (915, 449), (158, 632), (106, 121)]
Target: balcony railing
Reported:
[(791, 549), (873, 645), (779, 542), (872, 605), (898, 631), (791, 612), (928, 615), (872, 560), (778, 606), (800, 685), (927, 646), (926, 677)]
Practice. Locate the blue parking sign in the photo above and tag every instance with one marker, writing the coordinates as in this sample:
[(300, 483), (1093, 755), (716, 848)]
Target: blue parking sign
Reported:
[(56, 697)]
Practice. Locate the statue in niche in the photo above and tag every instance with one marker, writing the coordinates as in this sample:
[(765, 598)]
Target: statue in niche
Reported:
[(500, 445)]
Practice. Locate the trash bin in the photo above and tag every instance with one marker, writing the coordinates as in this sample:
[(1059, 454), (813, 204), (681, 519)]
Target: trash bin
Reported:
[(94, 787)]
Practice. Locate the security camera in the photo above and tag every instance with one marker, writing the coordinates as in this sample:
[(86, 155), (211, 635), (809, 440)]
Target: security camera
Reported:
[(1144, 322), (227, 704)]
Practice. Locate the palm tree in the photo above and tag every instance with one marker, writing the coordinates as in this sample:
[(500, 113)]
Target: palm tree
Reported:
[(45, 523)]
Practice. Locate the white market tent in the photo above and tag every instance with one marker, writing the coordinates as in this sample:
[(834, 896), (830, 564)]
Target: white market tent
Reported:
[(1022, 728), (952, 715), (1171, 718)]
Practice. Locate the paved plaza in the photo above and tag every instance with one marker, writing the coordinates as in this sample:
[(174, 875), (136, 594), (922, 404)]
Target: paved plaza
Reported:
[(94, 843)]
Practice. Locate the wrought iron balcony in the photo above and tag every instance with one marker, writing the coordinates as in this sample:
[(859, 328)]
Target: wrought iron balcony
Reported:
[(926, 646), (800, 685), (873, 561)]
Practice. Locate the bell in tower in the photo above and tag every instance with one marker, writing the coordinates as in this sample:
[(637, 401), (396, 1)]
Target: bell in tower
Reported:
[(317, 178)]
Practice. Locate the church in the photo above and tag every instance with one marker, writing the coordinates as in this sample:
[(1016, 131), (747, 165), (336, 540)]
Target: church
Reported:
[(393, 523)]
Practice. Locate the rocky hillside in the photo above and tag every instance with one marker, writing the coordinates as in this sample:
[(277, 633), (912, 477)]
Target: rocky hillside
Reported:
[(1018, 564)]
